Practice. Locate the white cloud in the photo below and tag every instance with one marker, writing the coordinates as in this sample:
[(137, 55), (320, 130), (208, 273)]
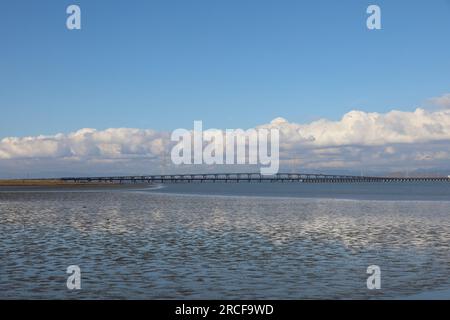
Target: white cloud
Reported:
[(442, 101), (369, 129), (389, 141), (85, 143)]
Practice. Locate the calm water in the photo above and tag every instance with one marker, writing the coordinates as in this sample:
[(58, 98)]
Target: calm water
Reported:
[(288, 241)]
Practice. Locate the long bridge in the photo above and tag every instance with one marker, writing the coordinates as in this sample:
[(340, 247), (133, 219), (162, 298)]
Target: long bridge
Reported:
[(249, 177)]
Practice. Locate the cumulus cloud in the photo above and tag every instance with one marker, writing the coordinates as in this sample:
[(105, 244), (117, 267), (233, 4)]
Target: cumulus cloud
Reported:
[(360, 128), (86, 143), (442, 101), (359, 140)]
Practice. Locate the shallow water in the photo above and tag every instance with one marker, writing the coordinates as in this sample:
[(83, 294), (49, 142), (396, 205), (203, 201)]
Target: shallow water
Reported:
[(425, 191), (168, 243)]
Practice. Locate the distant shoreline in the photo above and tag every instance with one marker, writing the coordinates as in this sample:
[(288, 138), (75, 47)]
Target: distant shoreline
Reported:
[(65, 184)]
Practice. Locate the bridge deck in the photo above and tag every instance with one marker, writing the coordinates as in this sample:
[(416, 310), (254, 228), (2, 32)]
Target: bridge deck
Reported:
[(249, 177)]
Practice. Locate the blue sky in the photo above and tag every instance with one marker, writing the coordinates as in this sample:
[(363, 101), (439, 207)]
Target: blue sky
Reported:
[(233, 64)]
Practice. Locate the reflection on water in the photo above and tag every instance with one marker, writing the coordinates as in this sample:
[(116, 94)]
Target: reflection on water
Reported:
[(148, 245)]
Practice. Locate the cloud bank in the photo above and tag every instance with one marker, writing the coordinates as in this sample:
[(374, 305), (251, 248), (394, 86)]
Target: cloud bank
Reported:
[(115, 143), (393, 141)]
